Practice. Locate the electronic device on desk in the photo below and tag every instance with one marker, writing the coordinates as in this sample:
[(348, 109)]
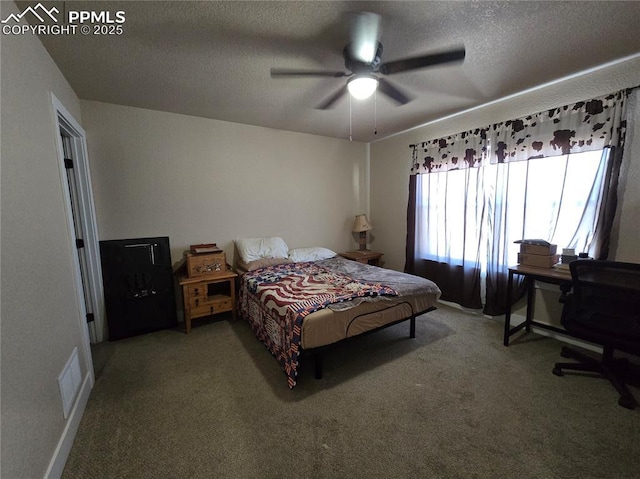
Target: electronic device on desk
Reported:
[(568, 256)]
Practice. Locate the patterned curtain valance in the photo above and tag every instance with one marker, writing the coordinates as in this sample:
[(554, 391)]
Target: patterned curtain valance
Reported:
[(459, 151), (583, 126)]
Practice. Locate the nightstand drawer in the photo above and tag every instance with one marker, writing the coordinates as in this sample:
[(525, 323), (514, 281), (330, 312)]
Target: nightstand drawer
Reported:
[(197, 290), (211, 307), (196, 301), (218, 301)]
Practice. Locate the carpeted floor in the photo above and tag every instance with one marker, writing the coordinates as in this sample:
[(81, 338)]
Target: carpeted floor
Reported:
[(451, 403)]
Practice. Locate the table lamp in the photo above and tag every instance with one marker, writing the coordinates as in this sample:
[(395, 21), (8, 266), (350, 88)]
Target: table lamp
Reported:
[(361, 225)]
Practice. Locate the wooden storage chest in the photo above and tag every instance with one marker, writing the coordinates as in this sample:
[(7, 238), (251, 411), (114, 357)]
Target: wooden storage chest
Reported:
[(206, 264)]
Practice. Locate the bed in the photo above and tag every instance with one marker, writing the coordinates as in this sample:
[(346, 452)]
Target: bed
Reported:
[(302, 304)]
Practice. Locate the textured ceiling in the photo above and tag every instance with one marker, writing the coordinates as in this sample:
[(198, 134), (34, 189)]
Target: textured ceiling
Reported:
[(212, 59)]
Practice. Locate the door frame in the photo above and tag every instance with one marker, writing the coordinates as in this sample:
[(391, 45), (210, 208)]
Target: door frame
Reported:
[(65, 122)]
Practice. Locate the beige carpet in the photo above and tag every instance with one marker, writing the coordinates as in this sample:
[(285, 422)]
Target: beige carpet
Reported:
[(451, 403)]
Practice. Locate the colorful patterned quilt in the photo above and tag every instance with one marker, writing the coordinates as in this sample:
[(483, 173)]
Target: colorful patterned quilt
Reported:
[(276, 299)]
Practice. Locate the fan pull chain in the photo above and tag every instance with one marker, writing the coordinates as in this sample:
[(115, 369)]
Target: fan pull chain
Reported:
[(350, 127), (375, 112)]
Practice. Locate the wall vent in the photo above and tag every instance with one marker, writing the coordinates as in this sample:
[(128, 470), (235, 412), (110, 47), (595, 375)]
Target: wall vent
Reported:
[(69, 382)]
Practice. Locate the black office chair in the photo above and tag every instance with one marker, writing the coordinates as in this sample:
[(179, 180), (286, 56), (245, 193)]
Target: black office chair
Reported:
[(603, 307)]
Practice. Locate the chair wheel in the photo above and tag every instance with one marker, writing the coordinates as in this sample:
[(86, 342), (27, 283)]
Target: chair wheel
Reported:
[(564, 353), (627, 402), (557, 372)]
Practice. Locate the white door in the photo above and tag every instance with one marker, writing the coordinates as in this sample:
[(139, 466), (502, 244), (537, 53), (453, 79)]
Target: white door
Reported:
[(74, 170), (76, 219)]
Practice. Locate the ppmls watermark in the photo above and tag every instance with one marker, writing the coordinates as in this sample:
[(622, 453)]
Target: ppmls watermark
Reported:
[(45, 21)]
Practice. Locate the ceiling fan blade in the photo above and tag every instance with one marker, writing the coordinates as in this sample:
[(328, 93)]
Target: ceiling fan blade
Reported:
[(283, 72), (328, 103), (423, 61), (393, 92), (364, 31)]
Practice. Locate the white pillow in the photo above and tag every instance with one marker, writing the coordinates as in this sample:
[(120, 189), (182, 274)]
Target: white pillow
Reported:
[(299, 255), (252, 249)]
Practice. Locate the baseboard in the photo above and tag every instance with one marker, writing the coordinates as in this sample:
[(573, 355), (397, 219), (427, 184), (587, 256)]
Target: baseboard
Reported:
[(61, 454), (477, 312)]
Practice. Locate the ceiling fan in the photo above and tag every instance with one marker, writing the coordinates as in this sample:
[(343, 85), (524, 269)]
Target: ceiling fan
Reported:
[(363, 60)]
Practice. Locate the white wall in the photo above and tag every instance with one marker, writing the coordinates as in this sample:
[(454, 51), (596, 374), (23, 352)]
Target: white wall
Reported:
[(40, 321), (390, 159), (626, 232), (198, 180)]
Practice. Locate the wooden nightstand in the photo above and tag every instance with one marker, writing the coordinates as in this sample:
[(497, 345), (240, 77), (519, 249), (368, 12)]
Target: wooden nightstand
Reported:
[(366, 256), (208, 295)]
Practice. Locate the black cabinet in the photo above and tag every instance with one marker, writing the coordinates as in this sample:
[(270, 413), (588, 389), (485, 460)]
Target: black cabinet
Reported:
[(138, 286)]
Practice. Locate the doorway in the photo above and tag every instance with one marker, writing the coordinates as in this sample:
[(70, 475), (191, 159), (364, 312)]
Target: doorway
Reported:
[(76, 179), (77, 226)]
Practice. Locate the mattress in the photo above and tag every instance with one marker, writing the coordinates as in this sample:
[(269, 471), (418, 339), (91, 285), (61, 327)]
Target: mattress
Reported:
[(326, 327)]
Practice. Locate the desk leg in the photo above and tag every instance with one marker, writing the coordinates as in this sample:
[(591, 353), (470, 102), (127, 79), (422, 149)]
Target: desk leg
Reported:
[(531, 291), (507, 314)]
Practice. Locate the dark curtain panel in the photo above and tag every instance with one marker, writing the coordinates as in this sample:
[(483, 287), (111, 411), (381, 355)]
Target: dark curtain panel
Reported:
[(410, 254), (609, 204), (459, 283)]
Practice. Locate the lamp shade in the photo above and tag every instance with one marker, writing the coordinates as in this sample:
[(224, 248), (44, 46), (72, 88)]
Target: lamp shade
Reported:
[(362, 86), (361, 224)]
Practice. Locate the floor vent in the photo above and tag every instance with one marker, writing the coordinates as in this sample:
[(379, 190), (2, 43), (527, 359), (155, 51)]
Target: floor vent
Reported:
[(69, 382)]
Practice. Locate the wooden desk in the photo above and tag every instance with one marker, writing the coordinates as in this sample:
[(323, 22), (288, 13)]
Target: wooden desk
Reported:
[(546, 275)]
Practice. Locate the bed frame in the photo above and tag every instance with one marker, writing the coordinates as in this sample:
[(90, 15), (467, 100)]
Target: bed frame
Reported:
[(317, 353)]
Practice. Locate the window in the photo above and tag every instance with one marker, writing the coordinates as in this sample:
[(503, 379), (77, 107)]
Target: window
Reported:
[(547, 198), (447, 232), (463, 216), (551, 175), (560, 199)]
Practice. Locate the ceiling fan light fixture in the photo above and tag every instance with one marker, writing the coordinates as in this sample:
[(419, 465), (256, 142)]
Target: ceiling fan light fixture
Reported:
[(362, 86)]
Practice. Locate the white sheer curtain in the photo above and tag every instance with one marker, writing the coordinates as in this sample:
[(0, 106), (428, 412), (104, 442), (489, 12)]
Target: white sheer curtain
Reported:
[(466, 214), (454, 201)]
